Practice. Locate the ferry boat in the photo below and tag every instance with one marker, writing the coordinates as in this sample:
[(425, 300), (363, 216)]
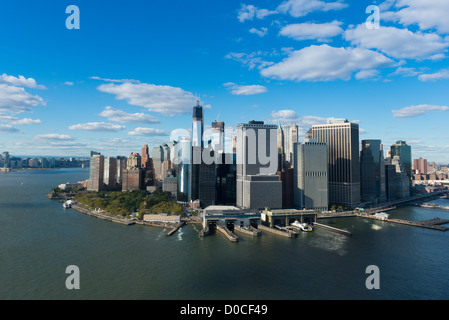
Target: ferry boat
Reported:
[(301, 226), (68, 204)]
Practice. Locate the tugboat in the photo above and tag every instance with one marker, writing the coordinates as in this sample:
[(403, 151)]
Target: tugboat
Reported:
[(301, 226)]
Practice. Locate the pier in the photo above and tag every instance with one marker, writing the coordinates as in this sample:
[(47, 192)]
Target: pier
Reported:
[(248, 230), (288, 234), (345, 232), (175, 228), (434, 224), (230, 235)]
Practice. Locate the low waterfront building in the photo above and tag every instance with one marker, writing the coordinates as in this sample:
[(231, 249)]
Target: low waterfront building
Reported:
[(229, 216), (285, 217), (161, 218)]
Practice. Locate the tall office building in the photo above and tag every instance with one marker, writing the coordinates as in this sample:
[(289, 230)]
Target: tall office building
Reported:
[(258, 185), (96, 174), (110, 173), (401, 180), (218, 142), (197, 125), (290, 133), (157, 155), (342, 139), (375, 148), (404, 152), (310, 171), (182, 158), (121, 166), (145, 157), (6, 160), (203, 177), (367, 176), (132, 179), (134, 161)]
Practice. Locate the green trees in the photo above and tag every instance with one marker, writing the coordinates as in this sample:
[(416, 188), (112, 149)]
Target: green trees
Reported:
[(123, 204)]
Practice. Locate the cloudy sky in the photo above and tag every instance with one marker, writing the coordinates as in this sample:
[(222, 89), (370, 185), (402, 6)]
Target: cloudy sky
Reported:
[(130, 74)]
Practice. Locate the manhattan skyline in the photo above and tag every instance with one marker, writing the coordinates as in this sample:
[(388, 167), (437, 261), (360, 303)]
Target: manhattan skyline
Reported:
[(132, 72)]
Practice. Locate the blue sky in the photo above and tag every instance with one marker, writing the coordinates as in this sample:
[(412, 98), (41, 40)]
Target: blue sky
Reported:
[(130, 74)]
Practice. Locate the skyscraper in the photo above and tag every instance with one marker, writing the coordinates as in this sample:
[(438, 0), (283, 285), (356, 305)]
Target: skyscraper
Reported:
[(6, 159), (145, 157), (218, 143), (96, 174), (110, 173), (375, 148), (197, 125), (404, 152), (310, 171), (203, 177), (258, 185), (342, 139), (290, 138)]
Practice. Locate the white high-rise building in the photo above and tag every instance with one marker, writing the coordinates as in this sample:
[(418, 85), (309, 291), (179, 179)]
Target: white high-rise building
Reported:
[(310, 176)]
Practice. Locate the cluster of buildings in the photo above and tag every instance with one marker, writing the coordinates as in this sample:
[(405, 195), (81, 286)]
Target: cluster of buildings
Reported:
[(9, 162), (423, 171), (267, 167)]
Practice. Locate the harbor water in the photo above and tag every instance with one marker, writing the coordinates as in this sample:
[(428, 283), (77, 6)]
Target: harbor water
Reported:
[(39, 239)]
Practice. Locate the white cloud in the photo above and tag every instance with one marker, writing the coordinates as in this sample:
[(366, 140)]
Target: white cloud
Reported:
[(249, 12), (325, 63), (115, 80), (427, 14), (311, 31), (300, 8), (15, 100), (440, 75), (147, 132), (166, 100), (366, 74), (124, 117), (284, 115), (69, 83), (417, 110), (54, 137), (16, 121), (251, 60), (97, 126), (406, 72), (245, 90), (304, 123), (25, 121), (398, 43), (6, 128), (20, 81), (261, 33)]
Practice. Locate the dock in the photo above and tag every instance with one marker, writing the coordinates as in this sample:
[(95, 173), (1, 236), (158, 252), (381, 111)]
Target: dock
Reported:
[(251, 231), (230, 235), (288, 234), (204, 232), (434, 224), (345, 232), (175, 228)]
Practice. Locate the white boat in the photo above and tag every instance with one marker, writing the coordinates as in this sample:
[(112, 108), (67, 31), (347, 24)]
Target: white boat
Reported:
[(68, 204), (301, 226)]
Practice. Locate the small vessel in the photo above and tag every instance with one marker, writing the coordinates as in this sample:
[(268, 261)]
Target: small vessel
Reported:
[(68, 204), (301, 226)]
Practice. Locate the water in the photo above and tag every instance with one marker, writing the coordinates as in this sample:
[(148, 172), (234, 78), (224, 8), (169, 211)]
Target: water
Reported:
[(39, 239)]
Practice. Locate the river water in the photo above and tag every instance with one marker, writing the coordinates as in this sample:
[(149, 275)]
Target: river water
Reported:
[(39, 239)]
